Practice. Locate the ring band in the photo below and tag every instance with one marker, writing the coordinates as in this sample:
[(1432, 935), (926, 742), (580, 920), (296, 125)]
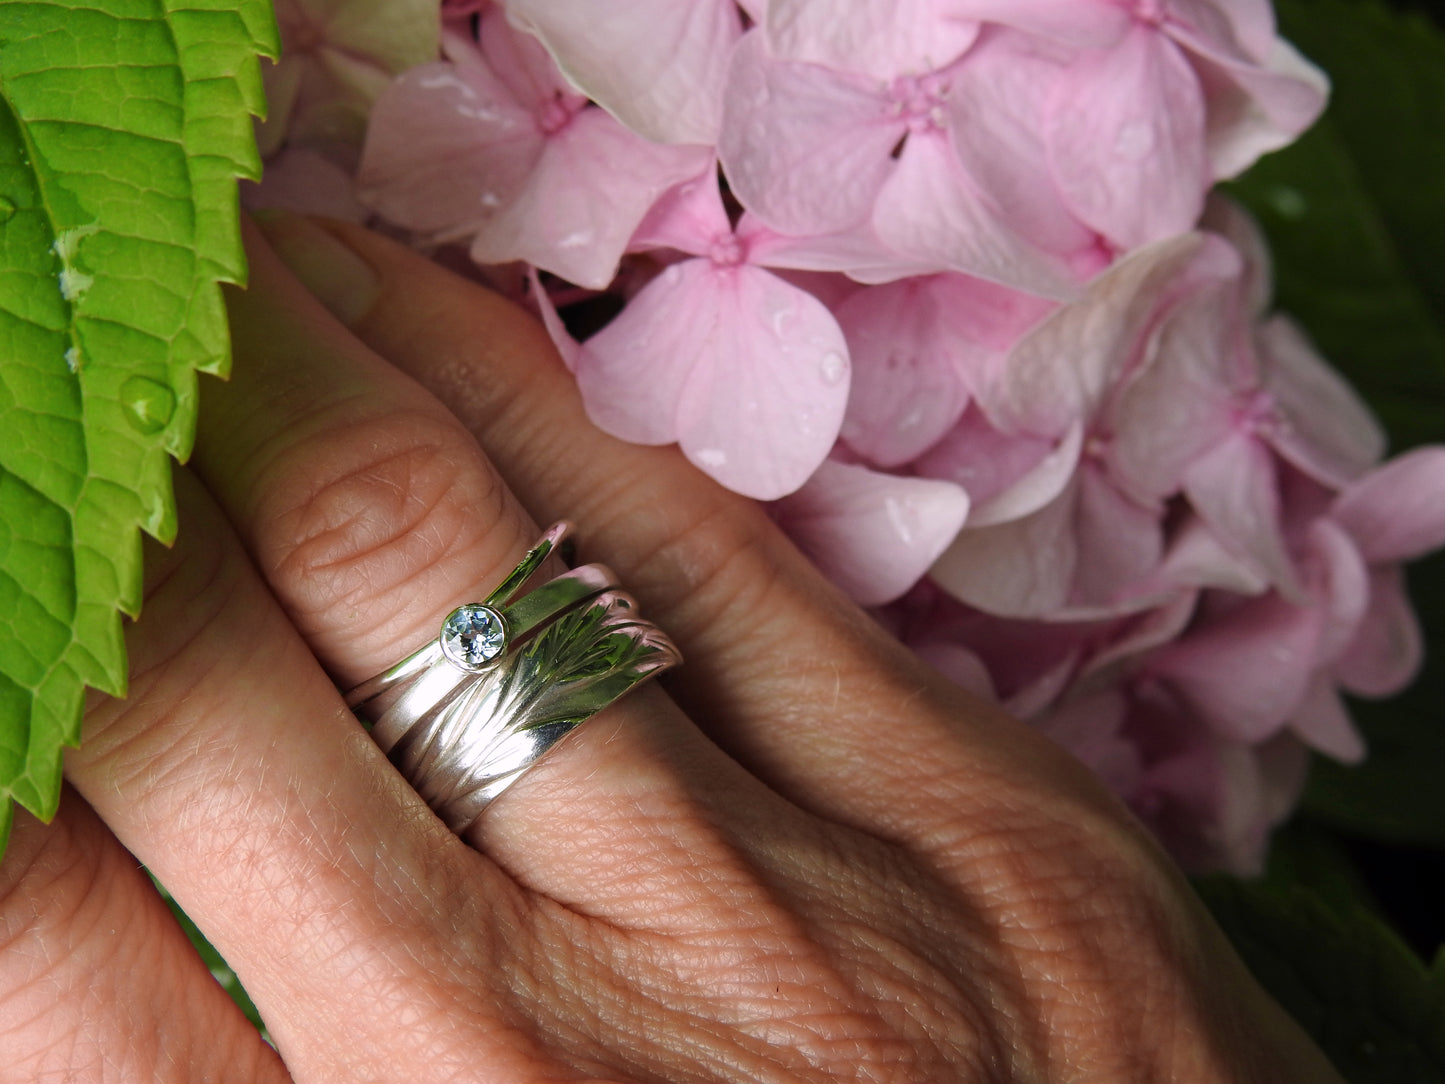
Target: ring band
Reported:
[(463, 716)]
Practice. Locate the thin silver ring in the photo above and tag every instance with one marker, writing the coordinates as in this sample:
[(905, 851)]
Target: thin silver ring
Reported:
[(461, 731)]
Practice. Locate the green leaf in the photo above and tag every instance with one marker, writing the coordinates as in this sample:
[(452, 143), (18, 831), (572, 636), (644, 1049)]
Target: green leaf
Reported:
[(1369, 1003), (123, 127), (1356, 221)]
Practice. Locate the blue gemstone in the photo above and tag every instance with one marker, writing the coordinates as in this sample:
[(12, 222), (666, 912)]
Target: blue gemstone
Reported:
[(473, 635)]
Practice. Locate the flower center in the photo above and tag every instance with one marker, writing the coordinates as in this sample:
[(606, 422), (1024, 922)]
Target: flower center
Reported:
[(1149, 12), (918, 100), (556, 112), (725, 250)]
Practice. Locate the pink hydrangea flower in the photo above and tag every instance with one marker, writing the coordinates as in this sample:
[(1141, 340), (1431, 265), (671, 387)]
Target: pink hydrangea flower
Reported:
[(746, 372), (493, 144)]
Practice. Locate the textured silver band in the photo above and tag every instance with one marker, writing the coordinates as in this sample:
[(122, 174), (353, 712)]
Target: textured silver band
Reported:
[(462, 734)]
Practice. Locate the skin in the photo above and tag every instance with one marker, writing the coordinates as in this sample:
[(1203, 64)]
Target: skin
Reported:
[(801, 857)]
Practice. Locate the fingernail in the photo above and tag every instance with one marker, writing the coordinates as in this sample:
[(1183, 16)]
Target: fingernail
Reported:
[(341, 280)]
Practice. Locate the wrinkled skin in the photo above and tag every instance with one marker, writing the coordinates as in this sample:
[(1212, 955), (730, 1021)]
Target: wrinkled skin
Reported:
[(801, 857)]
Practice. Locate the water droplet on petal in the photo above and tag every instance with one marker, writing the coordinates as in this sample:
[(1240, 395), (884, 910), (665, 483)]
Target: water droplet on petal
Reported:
[(712, 457), (148, 404), (833, 368)]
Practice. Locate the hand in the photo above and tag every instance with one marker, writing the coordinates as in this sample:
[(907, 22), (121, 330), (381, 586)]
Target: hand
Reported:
[(809, 859)]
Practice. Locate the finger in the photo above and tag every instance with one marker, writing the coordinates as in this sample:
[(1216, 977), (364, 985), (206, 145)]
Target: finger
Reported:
[(790, 676), (97, 981), (234, 772), (372, 513)]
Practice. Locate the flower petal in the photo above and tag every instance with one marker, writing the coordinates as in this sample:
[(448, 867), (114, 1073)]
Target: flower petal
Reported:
[(883, 38), (1182, 403), (1397, 511), (804, 148), (631, 373), (1246, 672), (910, 383), (929, 210), (1234, 489), (1023, 568), (1326, 429), (1120, 542), (658, 66), (872, 534), (1388, 648), (1059, 373), (765, 397), (996, 106), (447, 146), (1252, 109), (1125, 135), (1007, 477), (594, 182), (1324, 724), (1089, 24)]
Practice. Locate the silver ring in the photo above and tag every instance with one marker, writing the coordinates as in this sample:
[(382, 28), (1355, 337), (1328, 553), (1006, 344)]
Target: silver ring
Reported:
[(506, 679)]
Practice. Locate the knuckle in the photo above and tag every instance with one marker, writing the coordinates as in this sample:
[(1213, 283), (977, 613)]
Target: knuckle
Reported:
[(360, 521)]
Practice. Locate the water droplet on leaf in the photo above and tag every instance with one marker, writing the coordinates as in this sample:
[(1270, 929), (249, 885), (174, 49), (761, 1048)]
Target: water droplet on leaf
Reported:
[(148, 404), (7, 208)]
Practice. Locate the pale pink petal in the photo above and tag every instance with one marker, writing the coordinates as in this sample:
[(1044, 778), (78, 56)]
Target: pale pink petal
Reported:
[(1247, 672), (1231, 221), (1023, 568), (996, 103), (856, 252), (1339, 582), (593, 184), (1388, 648), (1008, 477), (804, 148), (1324, 428), (872, 534), (1088, 24), (1059, 373), (567, 347), (1234, 489), (1090, 727), (669, 87), (1137, 633), (1197, 559), (1254, 110), (929, 210), (1323, 723), (631, 373), (1251, 25), (765, 398), (1120, 542), (883, 38), (1125, 136), (1397, 511), (689, 218), (446, 148), (522, 64), (1182, 403), (960, 665), (909, 386)]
